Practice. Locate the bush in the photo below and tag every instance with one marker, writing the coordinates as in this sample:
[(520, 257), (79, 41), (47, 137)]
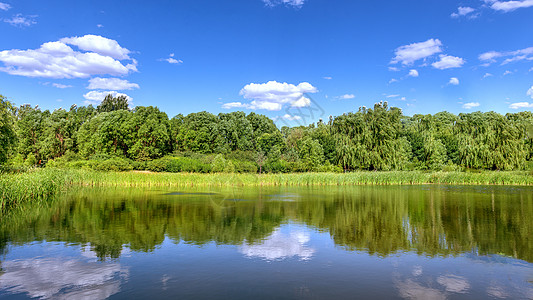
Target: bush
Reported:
[(114, 164), (277, 166), (177, 164), (243, 166)]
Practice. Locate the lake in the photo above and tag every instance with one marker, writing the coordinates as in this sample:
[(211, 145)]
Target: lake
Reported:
[(381, 242)]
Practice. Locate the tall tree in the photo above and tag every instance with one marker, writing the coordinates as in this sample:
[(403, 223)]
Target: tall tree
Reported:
[(7, 128), (111, 103)]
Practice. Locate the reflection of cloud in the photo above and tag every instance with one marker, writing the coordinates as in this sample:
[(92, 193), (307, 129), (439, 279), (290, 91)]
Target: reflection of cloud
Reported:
[(412, 290), (496, 292), (417, 271), (453, 283), (280, 246), (61, 278)]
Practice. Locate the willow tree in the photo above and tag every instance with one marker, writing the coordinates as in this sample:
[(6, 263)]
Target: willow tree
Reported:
[(490, 141), (370, 139)]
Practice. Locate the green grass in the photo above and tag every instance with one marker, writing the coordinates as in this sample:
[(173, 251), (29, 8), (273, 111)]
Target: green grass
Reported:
[(40, 184)]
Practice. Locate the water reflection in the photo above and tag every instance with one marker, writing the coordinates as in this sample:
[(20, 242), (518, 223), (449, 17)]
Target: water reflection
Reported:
[(430, 220), (62, 277), (280, 246)]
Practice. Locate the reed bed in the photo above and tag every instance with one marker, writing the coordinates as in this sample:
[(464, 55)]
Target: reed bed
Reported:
[(40, 184)]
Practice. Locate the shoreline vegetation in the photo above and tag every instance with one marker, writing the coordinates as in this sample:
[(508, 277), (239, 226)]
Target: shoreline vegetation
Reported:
[(43, 184)]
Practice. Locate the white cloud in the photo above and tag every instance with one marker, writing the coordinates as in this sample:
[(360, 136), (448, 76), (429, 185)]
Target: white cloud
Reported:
[(98, 44), (99, 25), (470, 105), (408, 54), (231, 105), (392, 96), (393, 80), (507, 72), (520, 105), (393, 69), (530, 92), (58, 60), (413, 73), (453, 81), (111, 84), (447, 62), (21, 21), (462, 11), (487, 75), (510, 56), (4, 6), (346, 97), (61, 86), (171, 59), (295, 3), (507, 6), (95, 97), (291, 118), (273, 95), (327, 77)]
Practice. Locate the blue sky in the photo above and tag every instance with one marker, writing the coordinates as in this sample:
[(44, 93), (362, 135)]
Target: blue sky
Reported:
[(282, 58)]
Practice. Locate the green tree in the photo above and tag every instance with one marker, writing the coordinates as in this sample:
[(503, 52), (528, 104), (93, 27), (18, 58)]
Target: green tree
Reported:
[(7, 129), (311, 153), (111, 103)]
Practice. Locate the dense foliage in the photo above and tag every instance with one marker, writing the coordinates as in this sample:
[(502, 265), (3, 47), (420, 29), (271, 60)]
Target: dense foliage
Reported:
[(113, 137)]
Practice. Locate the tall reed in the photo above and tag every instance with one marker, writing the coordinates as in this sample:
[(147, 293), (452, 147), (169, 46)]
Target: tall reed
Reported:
[(38, 185)]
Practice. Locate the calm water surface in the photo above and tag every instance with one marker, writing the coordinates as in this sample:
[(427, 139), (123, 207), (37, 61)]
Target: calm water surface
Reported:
[(421, 242)]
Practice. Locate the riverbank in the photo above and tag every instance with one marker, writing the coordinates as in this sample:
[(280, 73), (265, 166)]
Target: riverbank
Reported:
[(40, 184)]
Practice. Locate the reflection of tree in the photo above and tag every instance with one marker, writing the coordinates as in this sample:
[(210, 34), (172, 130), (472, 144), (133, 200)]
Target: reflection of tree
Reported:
[(379, 220)]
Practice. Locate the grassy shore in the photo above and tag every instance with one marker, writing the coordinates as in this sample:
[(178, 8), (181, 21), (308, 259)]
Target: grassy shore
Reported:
[(40, 184)]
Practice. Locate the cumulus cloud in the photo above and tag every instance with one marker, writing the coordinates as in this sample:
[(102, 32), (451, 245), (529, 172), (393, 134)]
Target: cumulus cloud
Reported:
[(294, 3), (470, 105), (509, 56), (346, 97), (507, 72), (453, 81), (4, 6), (171, 59), (507, 6), (21, 21), (530, 92), (274, 95), (408, 54), (393, 80), (519, 105), (448, 62), (291, 117), (98, 44), (487, 75), (462, 11), (231, 105), (413, 73), (95, 97), (59, 60), (111, 84)]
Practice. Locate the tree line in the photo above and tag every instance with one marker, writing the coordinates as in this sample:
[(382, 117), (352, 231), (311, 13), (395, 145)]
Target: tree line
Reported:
[(379, 138)]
